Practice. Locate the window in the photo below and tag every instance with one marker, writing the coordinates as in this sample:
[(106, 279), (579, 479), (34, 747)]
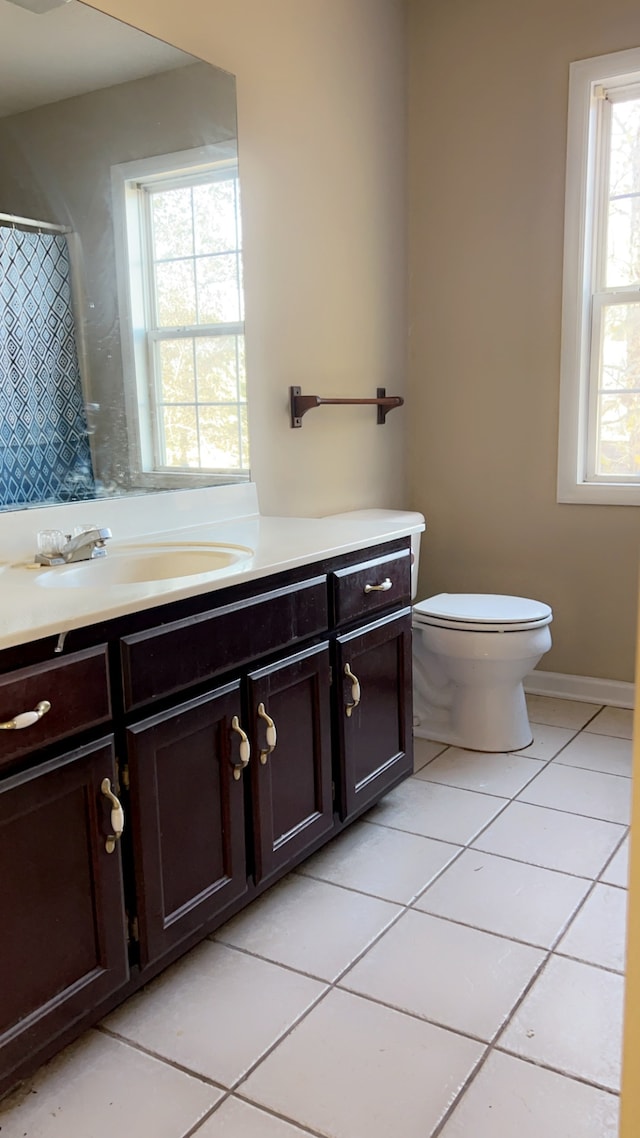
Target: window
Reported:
[(599, 447), (178, 243)]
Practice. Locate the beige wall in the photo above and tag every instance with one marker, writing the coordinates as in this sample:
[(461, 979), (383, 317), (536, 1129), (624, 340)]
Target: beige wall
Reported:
[(320, 91), (320, 107), (488, 104)]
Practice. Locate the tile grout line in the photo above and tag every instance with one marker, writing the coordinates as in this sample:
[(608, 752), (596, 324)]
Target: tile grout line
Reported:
[(582, 1079), (548, 952), (406, 907), (193, 1130), (544, 764), (303, 1127), (333, 985), (330, 986), (227, 1091), (460, 849), (493, 1048), (402, 910), (593, 770), (166, 1059), (409, 907), (607, 864), (514, 798), (493, 1045), (298, 872), (518, 754), (494, 853)]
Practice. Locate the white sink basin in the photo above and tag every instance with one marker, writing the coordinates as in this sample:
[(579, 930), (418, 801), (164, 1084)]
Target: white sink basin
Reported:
[(140, 564)]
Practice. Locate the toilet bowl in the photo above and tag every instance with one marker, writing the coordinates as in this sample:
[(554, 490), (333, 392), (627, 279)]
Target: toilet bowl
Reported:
[(471, 653)]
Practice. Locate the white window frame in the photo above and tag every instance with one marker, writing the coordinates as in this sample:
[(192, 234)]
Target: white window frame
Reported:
[(580, 306), (131, 244)]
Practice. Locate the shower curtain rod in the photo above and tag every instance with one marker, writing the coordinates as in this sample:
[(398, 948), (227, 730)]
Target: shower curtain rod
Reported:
[(33, 223)]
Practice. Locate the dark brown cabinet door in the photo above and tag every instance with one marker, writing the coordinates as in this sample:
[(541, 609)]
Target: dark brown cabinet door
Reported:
[(291, 784), (373, 710), (63, 941), (187, 817)]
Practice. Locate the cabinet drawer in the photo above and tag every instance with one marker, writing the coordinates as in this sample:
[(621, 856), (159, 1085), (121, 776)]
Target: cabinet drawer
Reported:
[(77, 687), (371, 585), (187, 652)]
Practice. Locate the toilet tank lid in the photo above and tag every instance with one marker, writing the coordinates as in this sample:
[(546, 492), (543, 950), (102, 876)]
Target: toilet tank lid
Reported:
[(483, 608)]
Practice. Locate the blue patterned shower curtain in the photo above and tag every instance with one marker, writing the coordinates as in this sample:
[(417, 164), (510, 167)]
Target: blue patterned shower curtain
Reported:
[(44, 448)]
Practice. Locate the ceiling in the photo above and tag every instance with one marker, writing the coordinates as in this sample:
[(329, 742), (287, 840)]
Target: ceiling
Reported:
[(70, 50)]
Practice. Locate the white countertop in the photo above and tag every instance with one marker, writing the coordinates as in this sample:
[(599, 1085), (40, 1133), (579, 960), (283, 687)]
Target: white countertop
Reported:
[(29, 611)]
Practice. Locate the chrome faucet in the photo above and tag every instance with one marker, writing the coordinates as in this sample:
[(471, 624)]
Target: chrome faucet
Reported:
[(85, 546)]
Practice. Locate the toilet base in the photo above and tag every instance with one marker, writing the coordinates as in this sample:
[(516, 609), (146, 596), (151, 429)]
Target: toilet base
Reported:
[(478, 719), (435, 735)]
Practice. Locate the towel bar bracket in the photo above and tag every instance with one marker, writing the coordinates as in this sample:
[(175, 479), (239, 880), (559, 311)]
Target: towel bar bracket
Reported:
[(300, 403)]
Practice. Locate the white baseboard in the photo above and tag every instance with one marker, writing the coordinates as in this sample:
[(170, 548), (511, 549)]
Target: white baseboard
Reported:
[(586, 689)]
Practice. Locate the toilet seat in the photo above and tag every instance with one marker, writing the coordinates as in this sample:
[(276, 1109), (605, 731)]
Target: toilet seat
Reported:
[(481, 612)]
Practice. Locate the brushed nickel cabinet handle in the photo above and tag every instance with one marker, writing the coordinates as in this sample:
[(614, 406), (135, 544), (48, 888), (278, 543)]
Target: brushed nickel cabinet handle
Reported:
[(382, 588), (117, 816), (355, 690), (245, 748), (271, 734), (26, 718)]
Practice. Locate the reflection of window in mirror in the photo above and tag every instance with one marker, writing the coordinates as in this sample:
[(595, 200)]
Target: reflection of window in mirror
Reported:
[(178, 242)]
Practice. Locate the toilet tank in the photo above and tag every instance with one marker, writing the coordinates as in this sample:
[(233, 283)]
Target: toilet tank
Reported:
[(401, 517)]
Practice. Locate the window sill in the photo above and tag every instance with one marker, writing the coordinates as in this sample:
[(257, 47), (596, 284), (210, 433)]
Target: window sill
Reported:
[(600, 494)]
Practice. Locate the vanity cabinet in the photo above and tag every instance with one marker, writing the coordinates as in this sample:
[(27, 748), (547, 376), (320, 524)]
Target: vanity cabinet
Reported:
[(63, 944), (240, 729), (203, 831), (186, 818), (195, 842), (374, 736), (373, 707), (291, 782)]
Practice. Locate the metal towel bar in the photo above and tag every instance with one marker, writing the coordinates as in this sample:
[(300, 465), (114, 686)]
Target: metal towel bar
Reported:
[(300, 403)]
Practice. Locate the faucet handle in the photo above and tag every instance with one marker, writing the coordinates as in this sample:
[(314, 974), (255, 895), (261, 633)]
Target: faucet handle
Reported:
[(49, 546)]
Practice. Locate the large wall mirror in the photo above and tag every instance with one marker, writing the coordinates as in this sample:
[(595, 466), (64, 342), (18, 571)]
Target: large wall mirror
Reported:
[(121, 308)]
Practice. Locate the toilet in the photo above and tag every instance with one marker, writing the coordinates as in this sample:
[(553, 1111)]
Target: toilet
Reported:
[(471, 652)]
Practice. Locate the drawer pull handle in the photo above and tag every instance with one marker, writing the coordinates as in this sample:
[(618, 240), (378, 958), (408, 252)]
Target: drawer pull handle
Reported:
[(271, 734), (355, 690), (245, 749), (26, 718), (383, 588), (117, 816)]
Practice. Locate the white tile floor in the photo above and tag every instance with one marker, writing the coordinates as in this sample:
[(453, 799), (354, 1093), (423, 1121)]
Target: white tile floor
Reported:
[(451, 965)]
